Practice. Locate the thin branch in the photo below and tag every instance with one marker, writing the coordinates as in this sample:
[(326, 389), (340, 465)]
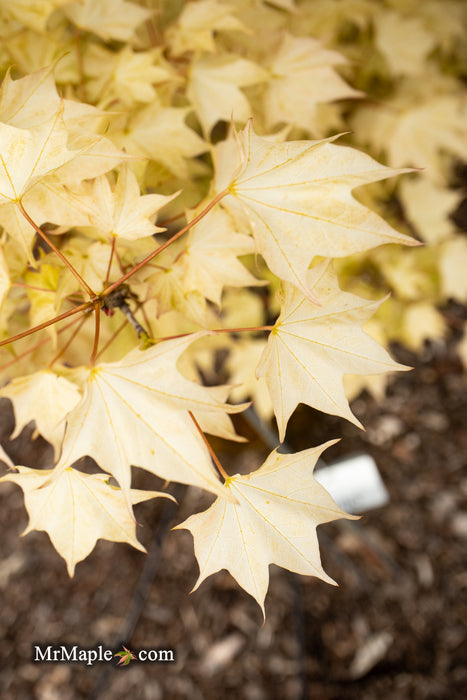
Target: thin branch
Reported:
[(112, 338), (221, 330), (109, 266), (69, 341), (23, 285), (66, 314), (165, 245), (219, 466), (97, 319), (243, 330), (171, 219), (64, 260), (146, 319), (38, 345)]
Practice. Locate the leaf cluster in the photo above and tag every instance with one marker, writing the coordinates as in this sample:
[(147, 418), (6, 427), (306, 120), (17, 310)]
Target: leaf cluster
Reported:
[(147, 224)]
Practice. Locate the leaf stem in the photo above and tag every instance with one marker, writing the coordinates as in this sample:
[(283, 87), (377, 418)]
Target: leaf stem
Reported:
[(69, 341), (97, 320), (220, 330), (109, 265), (35, 347), (64, 260), (219, 466), (24, 334), (112, 338), (23, 285), (165, 245)]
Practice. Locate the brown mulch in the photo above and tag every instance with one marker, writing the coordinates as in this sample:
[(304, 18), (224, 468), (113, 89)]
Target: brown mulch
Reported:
[(394, 629)]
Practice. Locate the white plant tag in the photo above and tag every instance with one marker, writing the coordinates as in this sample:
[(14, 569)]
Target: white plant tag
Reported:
[(354, 483)]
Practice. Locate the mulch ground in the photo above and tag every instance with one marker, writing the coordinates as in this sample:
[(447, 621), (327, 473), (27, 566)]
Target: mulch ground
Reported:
[(394, 629)]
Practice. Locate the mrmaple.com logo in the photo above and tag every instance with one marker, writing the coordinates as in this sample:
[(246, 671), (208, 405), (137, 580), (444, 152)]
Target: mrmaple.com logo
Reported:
[(90, 655)]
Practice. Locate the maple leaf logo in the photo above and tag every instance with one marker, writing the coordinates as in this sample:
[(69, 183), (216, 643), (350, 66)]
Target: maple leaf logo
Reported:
[(125, 657)]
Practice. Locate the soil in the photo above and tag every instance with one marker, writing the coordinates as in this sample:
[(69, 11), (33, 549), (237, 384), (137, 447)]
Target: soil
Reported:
[(394, 629)]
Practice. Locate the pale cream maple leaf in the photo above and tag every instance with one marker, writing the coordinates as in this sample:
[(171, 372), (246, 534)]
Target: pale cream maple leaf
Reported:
[(214, 88), (76, 509), (312, 347), (135, 412), (109, 19), (44, 303), (452, 266), (195, 27), (404, 41), (418, 126), (427, 207), (445, 20), (412, 275), (45, 398), (126, 76), (210, 260), (218, 422), (41, 136), (326, 18), (298, 199), (160, 133), (168, 289), (302, 76), (30, 13), (272, 520), (28, 155), (421, 321), (29, 49), (244, 357), (121, 211)]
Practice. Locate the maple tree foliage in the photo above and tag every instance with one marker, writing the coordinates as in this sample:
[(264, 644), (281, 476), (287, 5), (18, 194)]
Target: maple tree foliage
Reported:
[(158, 168)]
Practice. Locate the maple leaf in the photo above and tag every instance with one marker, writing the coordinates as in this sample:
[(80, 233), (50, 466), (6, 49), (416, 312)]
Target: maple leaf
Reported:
[(427, 207), (126, 657), (421, 321), (160, 133), (30, 12), (297, 198), (45, 398), (42, 297), (273, 520), (218, 422), (418, 127), (47, 143), (214, 88), (453, 261), (128, 76), (303, 75), (404, 42), (77, 509), (135, 412), (244, 356), (121, 211), (28, 155), (195, 27), (311, 348), (210, 260), (109, 19)]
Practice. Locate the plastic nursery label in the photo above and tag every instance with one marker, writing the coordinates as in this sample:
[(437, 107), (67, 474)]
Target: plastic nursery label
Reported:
[(354, 483)]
